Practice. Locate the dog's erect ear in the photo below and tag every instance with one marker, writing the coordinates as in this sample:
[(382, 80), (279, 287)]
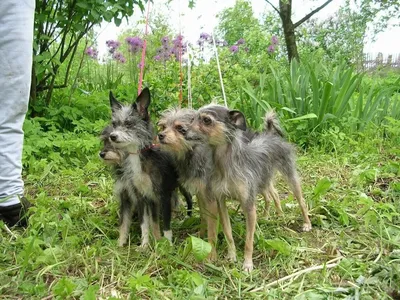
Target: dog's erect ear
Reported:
[(115, 105), (142, 103), (238, 119)]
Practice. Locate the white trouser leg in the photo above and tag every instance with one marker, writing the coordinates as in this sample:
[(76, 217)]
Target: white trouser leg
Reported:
[(16, 36)]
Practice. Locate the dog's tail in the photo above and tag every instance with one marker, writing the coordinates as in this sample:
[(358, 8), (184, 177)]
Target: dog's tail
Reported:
[(271, 124)]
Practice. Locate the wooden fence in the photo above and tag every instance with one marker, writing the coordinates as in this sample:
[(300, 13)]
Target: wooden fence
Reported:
[(372, 62)]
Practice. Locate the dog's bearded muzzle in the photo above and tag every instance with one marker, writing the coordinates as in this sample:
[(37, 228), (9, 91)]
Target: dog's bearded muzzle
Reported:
[(193, 137)]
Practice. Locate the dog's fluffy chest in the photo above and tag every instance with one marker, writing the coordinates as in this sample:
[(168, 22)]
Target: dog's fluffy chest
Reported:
[(141, 181)]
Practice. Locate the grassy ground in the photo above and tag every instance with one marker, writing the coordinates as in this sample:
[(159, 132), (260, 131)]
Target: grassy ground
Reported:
[(70, 248)]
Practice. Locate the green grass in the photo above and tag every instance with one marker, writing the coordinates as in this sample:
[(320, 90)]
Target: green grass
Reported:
[(70, 248)]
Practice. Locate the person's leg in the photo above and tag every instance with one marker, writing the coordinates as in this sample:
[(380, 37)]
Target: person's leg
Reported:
[(16, 40)]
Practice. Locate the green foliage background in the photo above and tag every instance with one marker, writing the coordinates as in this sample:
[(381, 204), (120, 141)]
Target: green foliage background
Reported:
[(343, 120)]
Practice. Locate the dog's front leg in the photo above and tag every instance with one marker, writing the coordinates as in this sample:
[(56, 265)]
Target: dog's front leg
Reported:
[(166, 213), (212, 217), (125, 217), (203, 217), (250, 212), (145, 227), (227, 228)]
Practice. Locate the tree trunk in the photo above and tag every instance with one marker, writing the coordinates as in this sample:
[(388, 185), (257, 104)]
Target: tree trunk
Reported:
[(50, 89), (33, 95), (288, 29)]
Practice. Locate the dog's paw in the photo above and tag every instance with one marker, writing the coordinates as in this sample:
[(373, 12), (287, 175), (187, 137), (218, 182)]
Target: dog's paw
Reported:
[(168, 235), (213, 255), (144, 245), (306, 227), (248, 266), (122, 242), (231, 256)]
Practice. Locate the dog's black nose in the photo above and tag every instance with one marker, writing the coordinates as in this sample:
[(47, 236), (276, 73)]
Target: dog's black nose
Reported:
[(161, 136), (113, 137), (102, 154)]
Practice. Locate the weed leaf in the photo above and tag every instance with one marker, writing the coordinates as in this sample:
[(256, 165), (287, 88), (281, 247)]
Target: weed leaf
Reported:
[(322, 187), (279, 245), (198, 247)]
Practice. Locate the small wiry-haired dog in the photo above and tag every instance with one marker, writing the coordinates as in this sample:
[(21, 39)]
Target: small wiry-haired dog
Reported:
[(244, 166), (114, 158), (148, 174), (195, 166)]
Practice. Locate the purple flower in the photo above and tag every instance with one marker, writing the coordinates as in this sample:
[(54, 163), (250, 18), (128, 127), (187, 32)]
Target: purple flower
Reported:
[(134, 41), (112, 45), (134, 49), (274, 40), (205, 36), (184, 48), (165, 40), (118, 56), (167, 50), (91, 52), (271, 49), (139, 65), (234, 49), (240, 42), (178, 40)]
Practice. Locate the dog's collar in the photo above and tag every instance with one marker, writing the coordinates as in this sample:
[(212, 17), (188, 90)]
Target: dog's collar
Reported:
[(152, 146)]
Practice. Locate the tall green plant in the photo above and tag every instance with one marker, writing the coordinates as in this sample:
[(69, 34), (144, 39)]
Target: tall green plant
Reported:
[(59, 28), (312, 97)]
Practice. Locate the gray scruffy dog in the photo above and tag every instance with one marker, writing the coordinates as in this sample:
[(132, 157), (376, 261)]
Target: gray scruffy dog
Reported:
[(195, 167), (147, 174), (244, 166), (114, 158)]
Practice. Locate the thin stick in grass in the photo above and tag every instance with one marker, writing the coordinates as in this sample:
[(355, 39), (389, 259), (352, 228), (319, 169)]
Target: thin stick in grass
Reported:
[(9, 231), (330, 264)]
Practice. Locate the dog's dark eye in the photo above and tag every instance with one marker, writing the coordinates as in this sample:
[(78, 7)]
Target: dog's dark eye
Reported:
[(114, 124), (180, 129), (128, 123), (206, 120)]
